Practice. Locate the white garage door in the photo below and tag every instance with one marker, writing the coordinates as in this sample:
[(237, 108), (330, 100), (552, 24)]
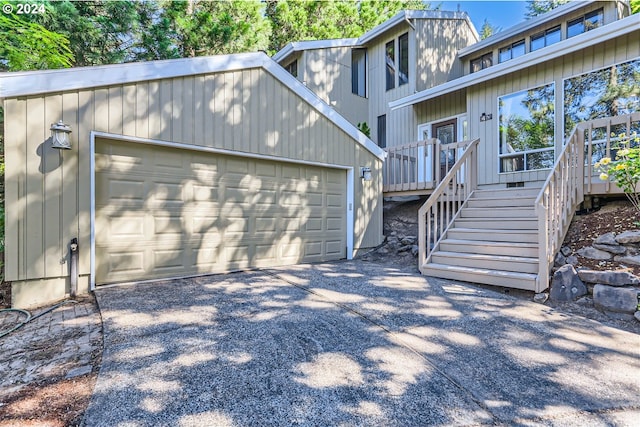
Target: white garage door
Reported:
[(167, 212)]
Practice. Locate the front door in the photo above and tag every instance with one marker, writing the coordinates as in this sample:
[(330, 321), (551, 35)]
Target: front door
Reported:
[(446, 133)]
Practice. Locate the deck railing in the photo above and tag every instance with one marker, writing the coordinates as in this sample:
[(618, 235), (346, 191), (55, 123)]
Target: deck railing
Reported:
[(418, 165), (564, 188), (444, 205)]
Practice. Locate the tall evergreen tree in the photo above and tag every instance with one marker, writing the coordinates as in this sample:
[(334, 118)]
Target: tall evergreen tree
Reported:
[(538, 7), (488, 30)]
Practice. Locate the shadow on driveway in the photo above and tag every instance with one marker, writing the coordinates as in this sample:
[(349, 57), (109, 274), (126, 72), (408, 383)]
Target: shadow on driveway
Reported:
[(353, 343)]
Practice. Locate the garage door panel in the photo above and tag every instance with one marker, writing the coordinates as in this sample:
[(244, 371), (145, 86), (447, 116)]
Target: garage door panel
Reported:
[(174, 212)]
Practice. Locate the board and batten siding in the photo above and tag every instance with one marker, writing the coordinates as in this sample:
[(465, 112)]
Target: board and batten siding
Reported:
[(483, 98), (327, 72), (48, 190)]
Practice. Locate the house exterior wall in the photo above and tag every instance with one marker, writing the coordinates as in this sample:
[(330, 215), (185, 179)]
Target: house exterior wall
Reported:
[(611, 13), (483, 98), (48, 192), (327, 72), (438, 42)]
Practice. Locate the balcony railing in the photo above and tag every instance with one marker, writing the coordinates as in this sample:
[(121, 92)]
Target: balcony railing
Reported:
[(419, 166)]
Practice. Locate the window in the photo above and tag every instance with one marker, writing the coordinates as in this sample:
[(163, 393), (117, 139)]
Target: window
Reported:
[(585, 23), (359, 72), (292, 68), (403, 59), (592, 95), (382, 131), (485, 61), (513, 51), (526, 129), (545, 38), (390, 64)]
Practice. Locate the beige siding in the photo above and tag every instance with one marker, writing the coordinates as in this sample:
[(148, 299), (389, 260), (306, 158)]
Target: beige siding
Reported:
[(438, 43), (48, 191), (327, 72), (483, 98)]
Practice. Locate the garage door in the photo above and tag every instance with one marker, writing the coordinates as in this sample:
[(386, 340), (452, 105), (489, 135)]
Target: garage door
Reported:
[(167, 212)]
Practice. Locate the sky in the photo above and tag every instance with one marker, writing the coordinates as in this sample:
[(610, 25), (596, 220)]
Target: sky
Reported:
[(502, 14)]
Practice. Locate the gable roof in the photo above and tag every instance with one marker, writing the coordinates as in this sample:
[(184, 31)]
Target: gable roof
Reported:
[(27, 83), (310, 45), (399, 18), (607, 32)]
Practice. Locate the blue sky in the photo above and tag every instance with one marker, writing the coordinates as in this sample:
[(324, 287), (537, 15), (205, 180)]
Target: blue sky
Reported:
[(502, 14)]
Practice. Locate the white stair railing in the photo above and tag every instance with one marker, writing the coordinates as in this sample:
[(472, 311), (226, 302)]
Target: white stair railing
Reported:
[(444, 205)]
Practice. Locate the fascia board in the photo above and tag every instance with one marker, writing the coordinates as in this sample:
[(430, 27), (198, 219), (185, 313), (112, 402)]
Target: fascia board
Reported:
[(292, 47), (585, 40), (14, 84), (523, 27)]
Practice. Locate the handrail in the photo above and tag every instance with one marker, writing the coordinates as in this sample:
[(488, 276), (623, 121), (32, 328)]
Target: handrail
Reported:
[(564, 190), (437, 214), (416, 165)]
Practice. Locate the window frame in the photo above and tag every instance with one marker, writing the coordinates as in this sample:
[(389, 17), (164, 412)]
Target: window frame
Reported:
[(403, 60), (587, 17), (390, 65), (510, 49), (481, 60), (356, 76), (524, 153), (544, 35), (291, 67), (381, 131)]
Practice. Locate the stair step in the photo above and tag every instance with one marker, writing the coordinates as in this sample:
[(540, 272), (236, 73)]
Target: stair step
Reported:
[(482, 275), (497, 224), (507, 192), (489, 248), (501, 202), (494, 262), (515, 212), (518, 236)]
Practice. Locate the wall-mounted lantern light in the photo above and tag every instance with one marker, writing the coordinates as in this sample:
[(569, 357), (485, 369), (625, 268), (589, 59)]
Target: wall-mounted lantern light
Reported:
[(60, 136), (365, 174), (484, 117)]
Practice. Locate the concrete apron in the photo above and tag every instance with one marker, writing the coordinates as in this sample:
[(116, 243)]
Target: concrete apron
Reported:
[(353, 343)]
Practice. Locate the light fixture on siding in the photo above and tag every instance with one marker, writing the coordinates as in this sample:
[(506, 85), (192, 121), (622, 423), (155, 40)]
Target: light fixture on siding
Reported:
[(484, 117), (365, 174), (60, 136)]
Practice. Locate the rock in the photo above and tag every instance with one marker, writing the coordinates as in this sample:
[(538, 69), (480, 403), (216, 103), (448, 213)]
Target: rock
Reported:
[(606, 239), (408, 240), (616, 300), (637, 315), (383, 251), (633, 260), (612, 278), (614, 249), (566, 285), (541, 298), (593, 253), (619, 316), (393, 233), (565, 250), (632, 236), (404, 248), (573, 260), (414, 250), (560, 260)]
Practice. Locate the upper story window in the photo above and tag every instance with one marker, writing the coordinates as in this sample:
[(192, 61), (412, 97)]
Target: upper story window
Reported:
[(390, 64), (585, 23), (359, 72), (292, 68), (403, 59), (512, 51), (545, 38), (485, 61)]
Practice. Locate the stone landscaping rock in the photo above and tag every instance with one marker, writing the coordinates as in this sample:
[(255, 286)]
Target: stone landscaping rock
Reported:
[(593, 253), (565, 250), (404, 248), (612, 278), (614, 249), (414, 250), (616, 300), (632, 236), (408, 240), (637, 315), (541, 298), (573, 260), (606, 239), (560, 260), (633, 260), (566, 285)]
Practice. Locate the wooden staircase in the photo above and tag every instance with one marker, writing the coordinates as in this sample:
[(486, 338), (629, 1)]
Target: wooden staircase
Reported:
[(494, 241)]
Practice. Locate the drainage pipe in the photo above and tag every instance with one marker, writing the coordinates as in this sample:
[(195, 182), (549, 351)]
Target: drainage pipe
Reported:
[(73, 246)]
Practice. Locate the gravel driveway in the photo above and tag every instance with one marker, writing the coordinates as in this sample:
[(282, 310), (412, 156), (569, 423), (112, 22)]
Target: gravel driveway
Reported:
[(353, 343)]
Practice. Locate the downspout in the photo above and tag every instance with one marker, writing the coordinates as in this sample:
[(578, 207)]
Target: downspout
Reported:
[(73, 247)]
